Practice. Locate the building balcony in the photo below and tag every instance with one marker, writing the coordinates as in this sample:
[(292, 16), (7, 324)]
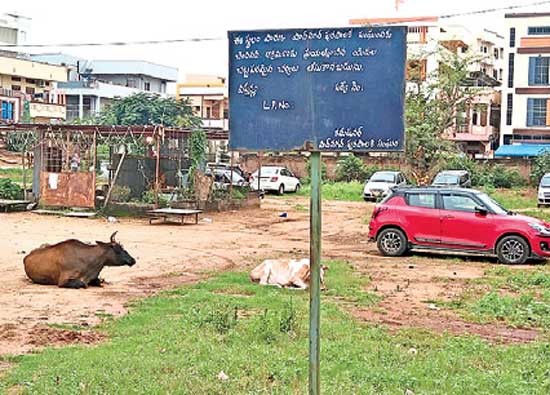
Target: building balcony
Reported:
[(473, 133), (215, 123), (99, 89)]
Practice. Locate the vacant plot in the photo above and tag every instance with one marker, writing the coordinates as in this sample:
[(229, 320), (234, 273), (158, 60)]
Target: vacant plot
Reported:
[(425, 323)]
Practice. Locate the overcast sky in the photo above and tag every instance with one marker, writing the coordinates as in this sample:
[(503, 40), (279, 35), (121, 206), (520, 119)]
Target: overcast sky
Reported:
[(125, 20)]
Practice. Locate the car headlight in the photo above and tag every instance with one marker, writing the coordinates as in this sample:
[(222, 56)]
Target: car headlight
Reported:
[(541, 229), (541, 194)]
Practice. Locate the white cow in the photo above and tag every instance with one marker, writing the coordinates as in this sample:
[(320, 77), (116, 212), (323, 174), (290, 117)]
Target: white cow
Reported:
[(292, 273)]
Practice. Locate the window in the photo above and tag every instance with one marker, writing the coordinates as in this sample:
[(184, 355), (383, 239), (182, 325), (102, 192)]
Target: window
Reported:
[(458, 203), (538, 70), (539, 30), (16, 87), (510, 70), (7, 110), (495, 53), (512, 37), (147, 86), (426, 200), (509, 108), (16, 78), (29, 90), (31, 81), (536, 112)]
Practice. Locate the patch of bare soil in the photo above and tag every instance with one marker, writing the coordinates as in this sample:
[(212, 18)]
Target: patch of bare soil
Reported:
[(409, 289), (169, 256)]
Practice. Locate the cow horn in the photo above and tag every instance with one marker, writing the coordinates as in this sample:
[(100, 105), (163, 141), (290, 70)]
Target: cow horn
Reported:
[(113, 237)]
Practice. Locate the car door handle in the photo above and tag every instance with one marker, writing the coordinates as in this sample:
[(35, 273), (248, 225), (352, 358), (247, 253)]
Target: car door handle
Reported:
[(447, 216)]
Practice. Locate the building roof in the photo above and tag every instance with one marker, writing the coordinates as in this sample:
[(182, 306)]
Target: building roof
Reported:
[(112, 67), (527, 14), (383, 21), (137, 67), (521, 150)]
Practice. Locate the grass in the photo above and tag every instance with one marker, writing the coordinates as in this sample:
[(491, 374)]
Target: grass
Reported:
[(346, 191), (16, 174), (519, 298), (179, 341), (514, 199)]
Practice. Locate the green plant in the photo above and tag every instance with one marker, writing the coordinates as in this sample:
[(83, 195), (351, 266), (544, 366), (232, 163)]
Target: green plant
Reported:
[(149, 198), (540, 165), (10, 190), (306, 180), (121, 193), (198, 145), (351, 168)]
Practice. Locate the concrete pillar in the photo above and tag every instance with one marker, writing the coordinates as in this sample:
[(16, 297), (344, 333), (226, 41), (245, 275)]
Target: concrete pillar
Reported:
[(80, 106), (97, 105)]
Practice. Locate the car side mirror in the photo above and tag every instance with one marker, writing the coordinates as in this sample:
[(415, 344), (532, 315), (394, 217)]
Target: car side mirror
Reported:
[(480, 210)]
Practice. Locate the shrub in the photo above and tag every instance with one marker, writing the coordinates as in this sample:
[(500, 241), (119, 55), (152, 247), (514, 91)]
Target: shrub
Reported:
[(149, 198), (541, 165), (307, 178), (121, 193), (351, 168), (10, 190), (497, 176)]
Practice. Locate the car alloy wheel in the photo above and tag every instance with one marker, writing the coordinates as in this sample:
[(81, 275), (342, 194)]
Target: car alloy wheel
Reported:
[(392, 242), (513, 249)]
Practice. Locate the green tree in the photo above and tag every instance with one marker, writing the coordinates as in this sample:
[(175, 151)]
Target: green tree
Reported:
[(149, 109), (540, 165), (431, 110)]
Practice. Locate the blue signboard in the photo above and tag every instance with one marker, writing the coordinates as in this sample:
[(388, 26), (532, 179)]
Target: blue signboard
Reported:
[(336, 89)]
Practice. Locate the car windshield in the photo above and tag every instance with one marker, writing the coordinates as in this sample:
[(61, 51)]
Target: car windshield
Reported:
[(383, 177), (492, 204), (446, 179), (545, 182)]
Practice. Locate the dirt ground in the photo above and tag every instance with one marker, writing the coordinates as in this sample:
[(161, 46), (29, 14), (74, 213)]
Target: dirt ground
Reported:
[(32, 316)]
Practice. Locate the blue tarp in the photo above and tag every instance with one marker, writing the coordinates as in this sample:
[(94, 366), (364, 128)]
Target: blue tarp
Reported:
[(521, 150)]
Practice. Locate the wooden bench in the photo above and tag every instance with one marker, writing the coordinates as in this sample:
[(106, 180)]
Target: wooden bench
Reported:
[(6, 205), (165, 213)]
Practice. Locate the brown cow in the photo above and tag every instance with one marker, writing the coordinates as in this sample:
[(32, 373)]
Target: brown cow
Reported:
[(74, 264)]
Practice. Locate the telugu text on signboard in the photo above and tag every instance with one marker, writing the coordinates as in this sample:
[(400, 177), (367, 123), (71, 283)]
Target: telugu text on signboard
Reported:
[(336, 89)]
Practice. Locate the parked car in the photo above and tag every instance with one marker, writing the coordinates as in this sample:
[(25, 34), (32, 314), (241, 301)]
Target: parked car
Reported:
[(447, 178), (275, 178), (379, 184), (456, 219), (223, 178), (544, 190)]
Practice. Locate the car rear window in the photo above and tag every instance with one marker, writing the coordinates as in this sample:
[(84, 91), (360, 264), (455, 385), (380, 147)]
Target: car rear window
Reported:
[(426, 200)]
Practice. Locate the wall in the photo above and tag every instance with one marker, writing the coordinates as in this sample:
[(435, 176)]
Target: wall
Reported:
[(139, 80), (297, 163)]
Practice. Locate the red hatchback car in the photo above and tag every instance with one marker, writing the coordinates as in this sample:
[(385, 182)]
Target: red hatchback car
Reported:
[(456, 219)]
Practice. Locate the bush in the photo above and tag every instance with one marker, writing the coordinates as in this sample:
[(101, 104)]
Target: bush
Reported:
[(121, 194), (351, 168), (307, 178), (485, 175), (541, 165), (10, 190), (149, 198)]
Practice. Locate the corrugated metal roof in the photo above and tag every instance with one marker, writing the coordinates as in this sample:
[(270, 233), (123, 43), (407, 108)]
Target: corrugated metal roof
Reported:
[(522, 150)]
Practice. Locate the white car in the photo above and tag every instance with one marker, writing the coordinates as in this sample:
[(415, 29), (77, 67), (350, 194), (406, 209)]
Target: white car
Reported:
[(380, 183), (543, 193), (275, 178)]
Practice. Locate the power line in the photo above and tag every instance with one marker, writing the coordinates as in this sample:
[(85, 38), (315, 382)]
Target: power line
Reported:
[(185, 40), (113, 43)]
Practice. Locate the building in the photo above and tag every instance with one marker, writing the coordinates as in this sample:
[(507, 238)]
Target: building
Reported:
[(208, 97), (428, 39), (93, 84), (525, 125), (27, 91), (13, 29)]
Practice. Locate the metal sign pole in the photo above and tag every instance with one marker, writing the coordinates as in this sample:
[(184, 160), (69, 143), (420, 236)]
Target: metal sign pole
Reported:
[(315, 264)]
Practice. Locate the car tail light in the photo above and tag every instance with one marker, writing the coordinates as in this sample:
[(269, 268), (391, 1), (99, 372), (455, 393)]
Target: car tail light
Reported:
[(274, 179)]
